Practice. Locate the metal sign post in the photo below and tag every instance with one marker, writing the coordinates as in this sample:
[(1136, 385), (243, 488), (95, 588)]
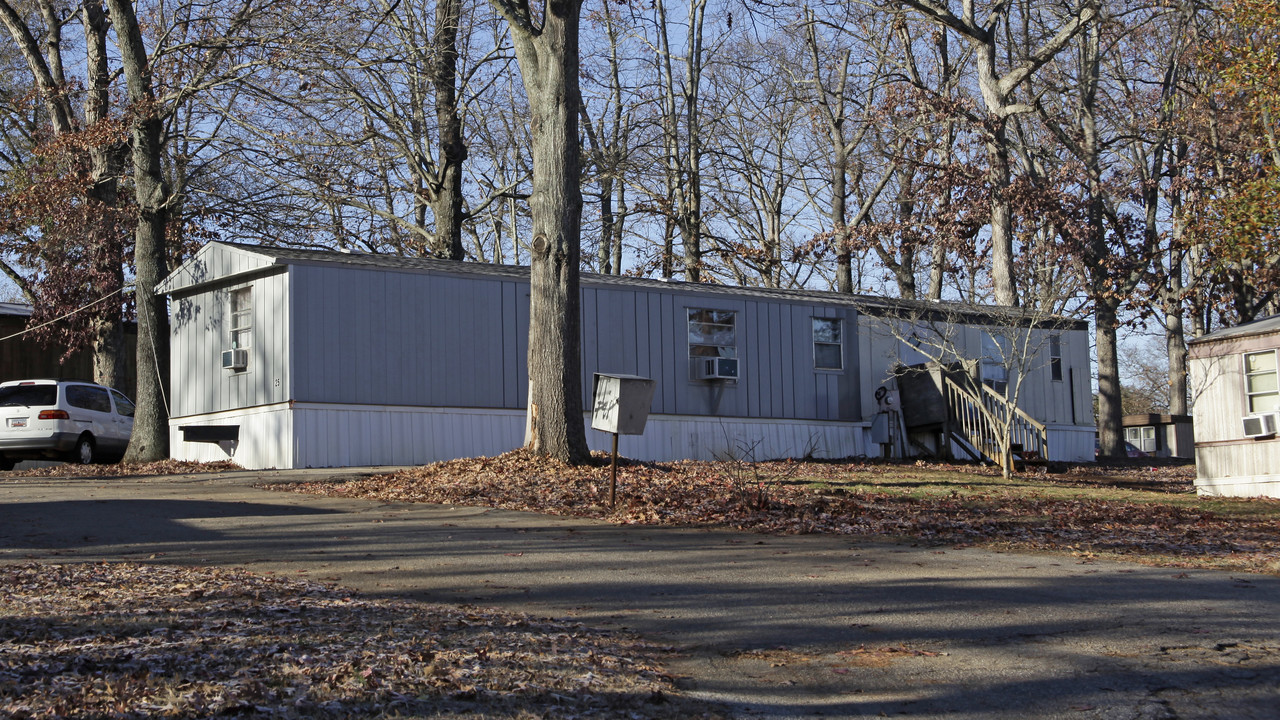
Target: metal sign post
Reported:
[(620, 406), (613, 474)]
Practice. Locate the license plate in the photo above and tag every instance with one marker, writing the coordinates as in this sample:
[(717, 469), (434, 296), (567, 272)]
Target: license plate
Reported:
[(17, 422)]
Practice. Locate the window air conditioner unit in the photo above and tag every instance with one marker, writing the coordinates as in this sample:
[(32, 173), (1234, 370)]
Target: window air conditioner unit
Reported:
[(718, 368), (1260, 425), (237, 359)]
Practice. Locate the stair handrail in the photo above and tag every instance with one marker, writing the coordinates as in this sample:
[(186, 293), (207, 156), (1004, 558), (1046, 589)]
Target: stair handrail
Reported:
[(978, 417), (1009, 405), (1024, 429)]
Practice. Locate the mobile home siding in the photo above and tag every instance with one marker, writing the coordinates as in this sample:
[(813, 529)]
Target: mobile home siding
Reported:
[(645, 332), (1227, 462), (368, 359), (388, 338), (392, 339), (200, 330)]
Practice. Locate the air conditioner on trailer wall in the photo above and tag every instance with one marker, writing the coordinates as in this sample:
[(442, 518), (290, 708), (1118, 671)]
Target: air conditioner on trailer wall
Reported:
[(1260, 425), (717, 368), (235, 359)]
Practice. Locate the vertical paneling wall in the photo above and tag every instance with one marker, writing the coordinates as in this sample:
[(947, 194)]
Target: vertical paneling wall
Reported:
[(373, 336), (200, 330), (645, 332), (378, 337), (1053, 402), (1217, 391), (23, 358)]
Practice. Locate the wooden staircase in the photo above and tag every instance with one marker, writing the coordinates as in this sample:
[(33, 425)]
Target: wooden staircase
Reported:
[(977, 424)]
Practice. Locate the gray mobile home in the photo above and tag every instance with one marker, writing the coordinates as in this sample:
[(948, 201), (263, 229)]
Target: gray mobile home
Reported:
[(301, 358), (1235, 383)]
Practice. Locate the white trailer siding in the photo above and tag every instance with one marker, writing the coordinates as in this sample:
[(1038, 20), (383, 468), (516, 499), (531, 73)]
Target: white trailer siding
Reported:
[(1227, 462), (265, 434), (347, 435), (200, 331)]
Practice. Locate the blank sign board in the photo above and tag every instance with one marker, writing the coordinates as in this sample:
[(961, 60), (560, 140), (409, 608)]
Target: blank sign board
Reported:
[(621, 403)]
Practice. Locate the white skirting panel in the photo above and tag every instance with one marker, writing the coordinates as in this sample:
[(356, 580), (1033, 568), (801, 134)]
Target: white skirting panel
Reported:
[(263, 443), (1246, 468), (355, 435), (1251, 486), (314, 435), (1071, 443), (687, 437)]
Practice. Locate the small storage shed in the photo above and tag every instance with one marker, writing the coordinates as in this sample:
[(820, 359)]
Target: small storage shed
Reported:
[(300, 358), (1236, 400), (1165, 436)]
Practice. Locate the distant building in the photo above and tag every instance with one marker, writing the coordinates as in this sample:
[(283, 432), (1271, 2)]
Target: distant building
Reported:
[(1166, 436), (21, 357), (1236, 393)]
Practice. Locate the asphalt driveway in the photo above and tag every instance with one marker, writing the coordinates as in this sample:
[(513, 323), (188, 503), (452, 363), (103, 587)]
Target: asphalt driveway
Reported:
[(803, 626)]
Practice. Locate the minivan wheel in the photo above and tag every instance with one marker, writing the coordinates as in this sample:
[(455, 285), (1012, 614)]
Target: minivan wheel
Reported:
[(83, 454)]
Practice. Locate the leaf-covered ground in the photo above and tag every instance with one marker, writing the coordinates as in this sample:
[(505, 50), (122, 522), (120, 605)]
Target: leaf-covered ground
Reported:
[(160, 467), (1142, 512), (141, 641)]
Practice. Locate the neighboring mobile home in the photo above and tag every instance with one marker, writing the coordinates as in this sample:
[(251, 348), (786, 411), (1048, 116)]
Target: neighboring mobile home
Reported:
[(1237, 409), (296, 358), (1164, 436)]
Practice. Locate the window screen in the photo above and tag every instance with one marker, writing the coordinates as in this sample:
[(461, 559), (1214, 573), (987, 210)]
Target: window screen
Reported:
[(713, 333), (1260, 384), (242, 318), (995, 359), (1055, 357)]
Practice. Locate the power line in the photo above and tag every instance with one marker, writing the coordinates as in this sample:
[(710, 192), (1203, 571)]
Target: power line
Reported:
[(82, 308)]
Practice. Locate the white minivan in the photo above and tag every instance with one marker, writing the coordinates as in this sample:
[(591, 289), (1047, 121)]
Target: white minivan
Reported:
[(73, 420)]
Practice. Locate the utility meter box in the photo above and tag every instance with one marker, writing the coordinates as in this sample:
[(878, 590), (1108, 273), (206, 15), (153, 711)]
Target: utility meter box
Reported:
[(621, 403)]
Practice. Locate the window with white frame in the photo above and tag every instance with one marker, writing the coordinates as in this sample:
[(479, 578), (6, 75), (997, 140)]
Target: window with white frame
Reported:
[(1143, 437), (995, 362), (1260, 382), (828, 344), (712, 334), (242, 317)]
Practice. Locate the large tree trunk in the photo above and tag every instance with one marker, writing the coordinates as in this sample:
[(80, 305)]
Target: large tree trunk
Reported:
[(1176, 343), (1110, 432), (839, 195), (1003, 281), (106, 161), (151, 424), (549, 65), (44, 60), (453, 150)]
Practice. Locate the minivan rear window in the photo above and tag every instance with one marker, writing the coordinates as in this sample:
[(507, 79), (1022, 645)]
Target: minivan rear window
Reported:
[(29, 395)]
